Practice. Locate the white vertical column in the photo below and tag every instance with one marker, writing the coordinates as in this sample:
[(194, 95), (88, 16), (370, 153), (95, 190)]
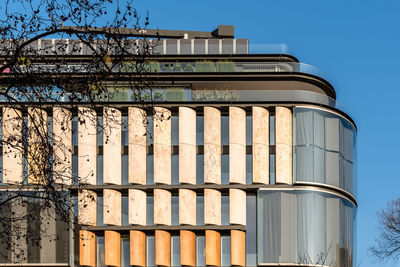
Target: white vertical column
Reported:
[(12, 146), (111, 146), (162, 207), (187, 145), (237, 206), (162, 145), (137, 145), (283, 136), (237, 145), (260, 145), (62, 143), (212, 145), (87, 145), (187, 207), (212, 207)]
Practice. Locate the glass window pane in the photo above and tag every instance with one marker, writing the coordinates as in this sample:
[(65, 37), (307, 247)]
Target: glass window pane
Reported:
[(251, 231), (124, 169), (150, 210), (150, 170), (199, 169), (200, 251), (272, 130), (125, 251), (175, 251), (200, 130), (175, 130), (200, 210), (225, 130), (224, 169), (225, 251), (175, 210), (100, 251), (150, 251), (99, 169), (225, 210), (125, 210), (175, 169)]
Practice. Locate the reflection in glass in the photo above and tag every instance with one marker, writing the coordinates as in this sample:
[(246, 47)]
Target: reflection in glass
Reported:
[(200, 251), (305, 227), (150, 251), (324, 148), (225, 251)]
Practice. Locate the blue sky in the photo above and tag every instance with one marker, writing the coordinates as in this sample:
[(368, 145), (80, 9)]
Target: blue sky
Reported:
[(355, 43)]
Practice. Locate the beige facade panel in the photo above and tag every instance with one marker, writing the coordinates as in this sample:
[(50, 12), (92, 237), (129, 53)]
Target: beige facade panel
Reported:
[(111, 146), (163, 248), (237, 206), (212, 145), (237, 164), (187, 145), (162, 145), (112, 248), (162, 207), (187, 207), (38, 146), (283, 137), (12, 146), (260, 125), (212, 207), (87, 207), (213, 248), (283, 163), (137, 145), (137, 207), (87, 248), (87, 145), (237, 145), (112, 200), (62, 145), (137, 248), (238, 248), (188, 248)]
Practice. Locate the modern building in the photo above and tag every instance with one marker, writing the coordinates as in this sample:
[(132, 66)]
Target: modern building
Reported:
[(233, 159)]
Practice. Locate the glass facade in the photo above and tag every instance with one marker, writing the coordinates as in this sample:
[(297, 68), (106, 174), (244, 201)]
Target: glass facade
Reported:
[(324, 149), (305, 227)]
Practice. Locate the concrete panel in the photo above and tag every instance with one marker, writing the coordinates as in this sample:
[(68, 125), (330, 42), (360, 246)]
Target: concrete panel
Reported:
[(188, 248), (213, 248), (87, 248), (163, 248), (12, 146), (283, 136), (38, 146), (87, 207), (87, 145), (238, 248), (187, 145), (137, 207), (162, 145), (112, 248), (260, 123), (187, 207), (237, 206), (112, 201), (111, 146), (212, 145), (137, 248), (212, 207), (162, 207), (62, 145), (137, 145)]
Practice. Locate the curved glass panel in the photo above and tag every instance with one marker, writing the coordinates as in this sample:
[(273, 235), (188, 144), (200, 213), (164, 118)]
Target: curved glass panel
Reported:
[(305, 227), (324, 149)]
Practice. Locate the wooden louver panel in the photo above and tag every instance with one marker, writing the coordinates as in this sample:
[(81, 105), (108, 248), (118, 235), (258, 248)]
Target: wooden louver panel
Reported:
[(112, 248), (213, 248), (163, 248), (238, 248), (188, 248), (137, 248), (87, 248)]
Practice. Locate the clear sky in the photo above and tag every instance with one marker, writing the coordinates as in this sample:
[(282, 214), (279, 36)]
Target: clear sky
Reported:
[(356, 43)]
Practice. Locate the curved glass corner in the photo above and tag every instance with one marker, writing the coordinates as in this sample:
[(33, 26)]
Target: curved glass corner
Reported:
[(324, 149), (304, 227)]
